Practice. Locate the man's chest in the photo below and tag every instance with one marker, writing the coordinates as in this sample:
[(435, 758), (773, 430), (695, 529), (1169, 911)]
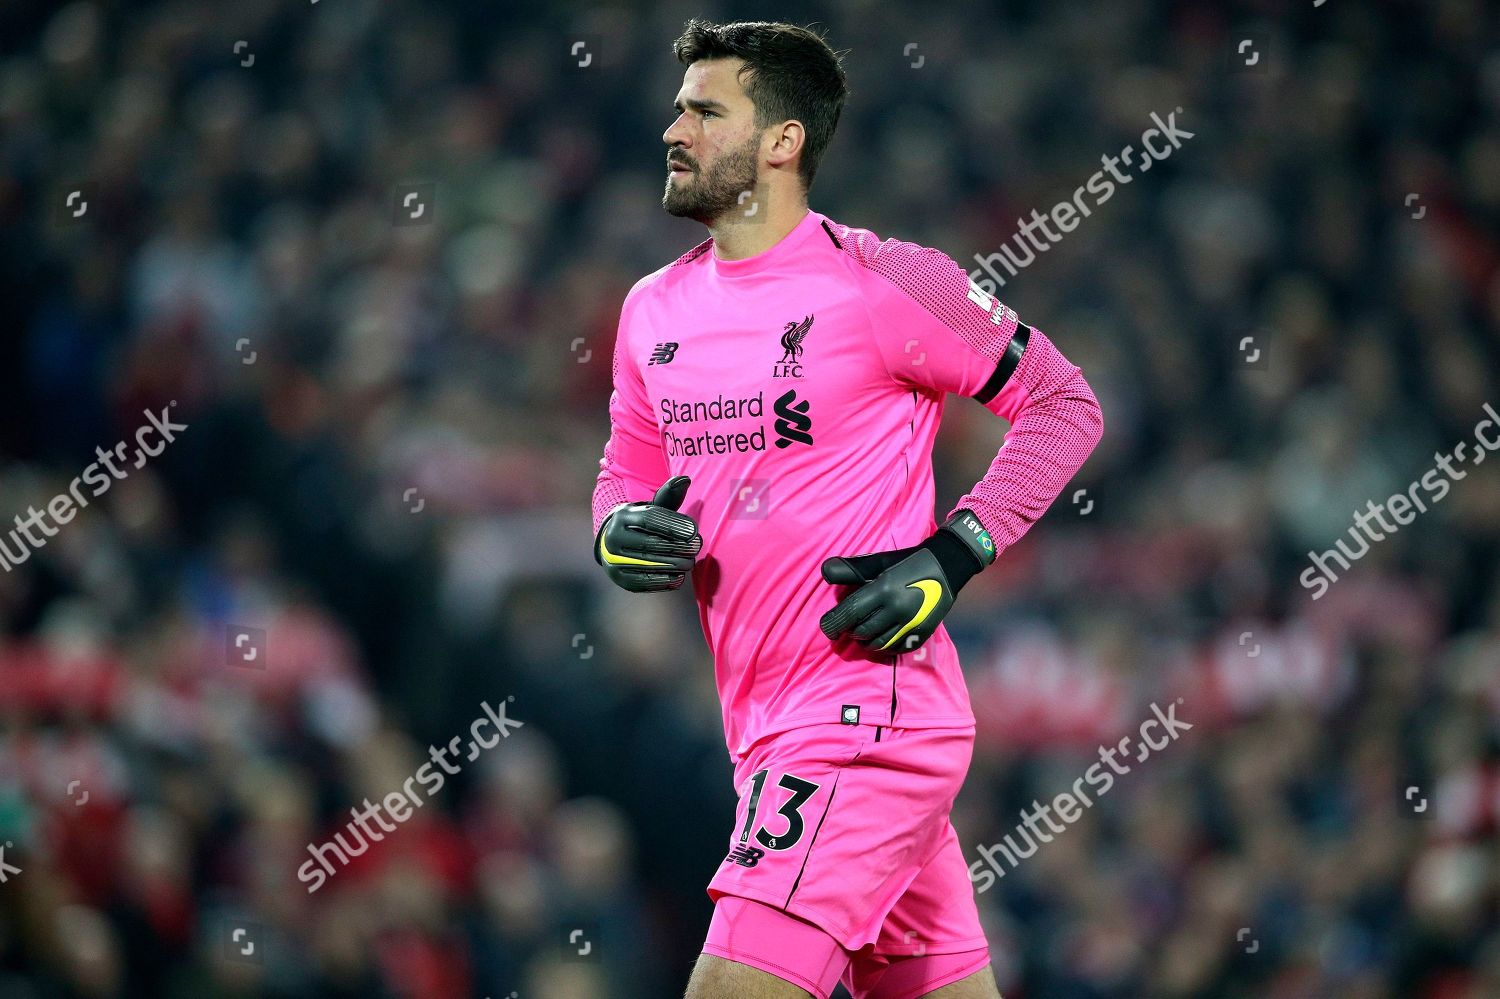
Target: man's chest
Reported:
[(792, 366)]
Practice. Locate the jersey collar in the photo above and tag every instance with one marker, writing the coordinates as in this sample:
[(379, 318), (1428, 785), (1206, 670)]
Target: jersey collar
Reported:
[(751, 265)]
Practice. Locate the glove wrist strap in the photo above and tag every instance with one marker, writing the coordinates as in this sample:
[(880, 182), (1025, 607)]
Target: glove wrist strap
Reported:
[(963, 546)]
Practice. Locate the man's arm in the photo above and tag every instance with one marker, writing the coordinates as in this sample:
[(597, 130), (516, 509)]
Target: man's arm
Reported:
[(1055, 424), (633, 466), (940, 332), (645, 545)]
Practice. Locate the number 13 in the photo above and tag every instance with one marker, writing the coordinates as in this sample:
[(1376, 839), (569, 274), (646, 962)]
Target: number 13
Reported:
[(790, 810)]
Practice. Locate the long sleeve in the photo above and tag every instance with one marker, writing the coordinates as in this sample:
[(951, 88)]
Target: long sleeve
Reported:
[(1055, 424), (938, 331), (633, 465)]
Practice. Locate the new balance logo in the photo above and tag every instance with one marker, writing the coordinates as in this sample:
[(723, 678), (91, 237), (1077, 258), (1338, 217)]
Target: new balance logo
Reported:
[(745, 856), (664, 353)]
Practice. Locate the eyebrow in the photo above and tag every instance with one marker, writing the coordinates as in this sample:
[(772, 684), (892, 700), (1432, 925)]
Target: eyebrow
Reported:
[(699, 105)]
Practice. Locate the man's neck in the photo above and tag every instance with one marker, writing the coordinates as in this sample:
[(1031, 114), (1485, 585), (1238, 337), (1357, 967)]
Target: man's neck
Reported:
[(736, 238)]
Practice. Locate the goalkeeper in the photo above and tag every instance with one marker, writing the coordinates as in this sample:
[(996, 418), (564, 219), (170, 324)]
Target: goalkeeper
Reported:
[(777, 392)]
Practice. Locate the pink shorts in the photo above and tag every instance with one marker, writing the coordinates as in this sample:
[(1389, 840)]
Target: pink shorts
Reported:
[(846, 828)]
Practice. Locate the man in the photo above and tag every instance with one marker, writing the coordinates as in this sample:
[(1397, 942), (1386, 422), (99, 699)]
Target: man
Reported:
[(777, 392)]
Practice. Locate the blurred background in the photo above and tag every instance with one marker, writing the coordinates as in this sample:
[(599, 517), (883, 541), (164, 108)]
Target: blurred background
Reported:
[(394, 424)]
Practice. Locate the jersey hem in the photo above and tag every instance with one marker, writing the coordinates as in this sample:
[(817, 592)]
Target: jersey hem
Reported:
[(821, 718)]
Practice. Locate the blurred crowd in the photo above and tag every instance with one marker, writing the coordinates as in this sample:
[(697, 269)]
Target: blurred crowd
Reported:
[(394, 426)]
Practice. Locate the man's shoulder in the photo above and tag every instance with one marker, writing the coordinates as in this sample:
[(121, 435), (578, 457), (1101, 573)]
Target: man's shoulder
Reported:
[(875, 255), (660, 277)]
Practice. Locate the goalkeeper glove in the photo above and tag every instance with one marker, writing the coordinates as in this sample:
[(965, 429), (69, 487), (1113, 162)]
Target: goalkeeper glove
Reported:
[(649, 547), (904, 594)]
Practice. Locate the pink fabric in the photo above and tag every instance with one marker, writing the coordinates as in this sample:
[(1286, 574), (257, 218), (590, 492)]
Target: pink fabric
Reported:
[(764, 937), (796, 951), (940, 333), (912, 977), (846, 828), (852, 834), (829, 454)]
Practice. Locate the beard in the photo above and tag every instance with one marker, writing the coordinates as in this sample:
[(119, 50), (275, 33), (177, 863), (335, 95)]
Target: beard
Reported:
[(705, 197)]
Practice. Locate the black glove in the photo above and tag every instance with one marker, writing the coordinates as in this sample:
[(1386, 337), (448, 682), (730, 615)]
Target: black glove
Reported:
[(648, 547), (903, 594)]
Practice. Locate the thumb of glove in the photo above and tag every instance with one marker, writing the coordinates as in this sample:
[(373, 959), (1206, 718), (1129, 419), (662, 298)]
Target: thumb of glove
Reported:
[(845, 571), (857, 570), (672, 492)]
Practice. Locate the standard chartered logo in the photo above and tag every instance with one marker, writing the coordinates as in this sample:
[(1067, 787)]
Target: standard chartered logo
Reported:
[(718, 408), (675, 414), (792, 424)]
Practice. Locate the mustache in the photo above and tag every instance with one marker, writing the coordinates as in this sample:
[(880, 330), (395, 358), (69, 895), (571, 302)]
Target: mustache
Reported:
[(680, 162)]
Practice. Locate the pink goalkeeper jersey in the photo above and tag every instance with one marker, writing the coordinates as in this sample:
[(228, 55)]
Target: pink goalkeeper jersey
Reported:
[(801, 389)]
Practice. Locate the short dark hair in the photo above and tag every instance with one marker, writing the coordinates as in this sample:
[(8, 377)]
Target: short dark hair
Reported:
[(794, 74)]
